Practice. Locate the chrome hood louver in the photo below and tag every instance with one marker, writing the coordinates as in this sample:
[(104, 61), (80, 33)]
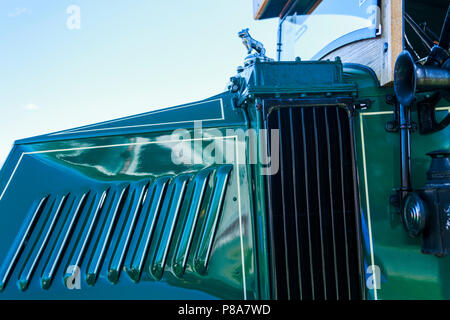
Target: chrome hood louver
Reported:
[(112, 230)]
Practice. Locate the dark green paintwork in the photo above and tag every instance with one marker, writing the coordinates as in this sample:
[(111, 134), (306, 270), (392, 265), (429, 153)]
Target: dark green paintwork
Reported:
[(55, 165), (406, 273), (233, 245)]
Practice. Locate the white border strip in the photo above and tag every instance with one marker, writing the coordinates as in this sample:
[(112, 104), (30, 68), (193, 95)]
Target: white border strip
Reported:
[(81, 130), (235, 137), (391, 112), (369, 223)]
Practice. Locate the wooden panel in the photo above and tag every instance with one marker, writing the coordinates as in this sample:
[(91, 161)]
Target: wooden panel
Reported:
[(258, 8), (381, 52), (265, 9)]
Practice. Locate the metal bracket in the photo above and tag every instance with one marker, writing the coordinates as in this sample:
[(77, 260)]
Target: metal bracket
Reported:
[(348, 102), (362, 104), (395, 200), (426, 113), (236, 86), (394, 124)]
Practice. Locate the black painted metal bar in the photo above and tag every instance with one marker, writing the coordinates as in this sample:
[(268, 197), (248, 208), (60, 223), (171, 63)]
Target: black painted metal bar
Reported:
[(271, 229), (319, 202), (357, 277), (343, 195), (284, 209), (405, 151), (295, 200), (332, 212), (308, 210)]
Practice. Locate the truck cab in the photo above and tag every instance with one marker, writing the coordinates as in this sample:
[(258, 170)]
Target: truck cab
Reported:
[(319, 174)]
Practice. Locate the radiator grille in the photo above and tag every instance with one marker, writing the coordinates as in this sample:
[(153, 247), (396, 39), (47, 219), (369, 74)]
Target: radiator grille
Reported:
[(312, 211)]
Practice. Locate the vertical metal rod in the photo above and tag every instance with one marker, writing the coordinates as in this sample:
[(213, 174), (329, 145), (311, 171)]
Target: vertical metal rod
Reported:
[(357, 206), (444, 39), (319, 201), (332, 213), (405, 151), (264, 238), (285, 210), (295, 191), (308, 210), (273, 248), (344, 209), (279, 43)]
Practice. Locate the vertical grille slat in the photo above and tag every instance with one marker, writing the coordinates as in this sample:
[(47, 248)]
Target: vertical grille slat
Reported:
[(351, 222), (331, 211), (316, 247), (312, 212), (285, 197), (297, 214), (313, 207), (320, 203), (272, 205), (307, 207), (343, 212)]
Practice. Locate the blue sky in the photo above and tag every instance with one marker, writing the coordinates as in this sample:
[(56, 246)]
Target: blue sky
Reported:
[(127, 57)]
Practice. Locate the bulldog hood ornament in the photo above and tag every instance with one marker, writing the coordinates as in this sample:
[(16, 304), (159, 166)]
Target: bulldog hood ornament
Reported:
[(253, 45)]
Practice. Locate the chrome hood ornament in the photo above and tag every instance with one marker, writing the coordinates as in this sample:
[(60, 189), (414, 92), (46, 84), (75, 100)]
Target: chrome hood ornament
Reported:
[(252, 45)]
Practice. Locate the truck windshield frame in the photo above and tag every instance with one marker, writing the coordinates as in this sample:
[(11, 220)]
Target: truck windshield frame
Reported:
[(347, 21)]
